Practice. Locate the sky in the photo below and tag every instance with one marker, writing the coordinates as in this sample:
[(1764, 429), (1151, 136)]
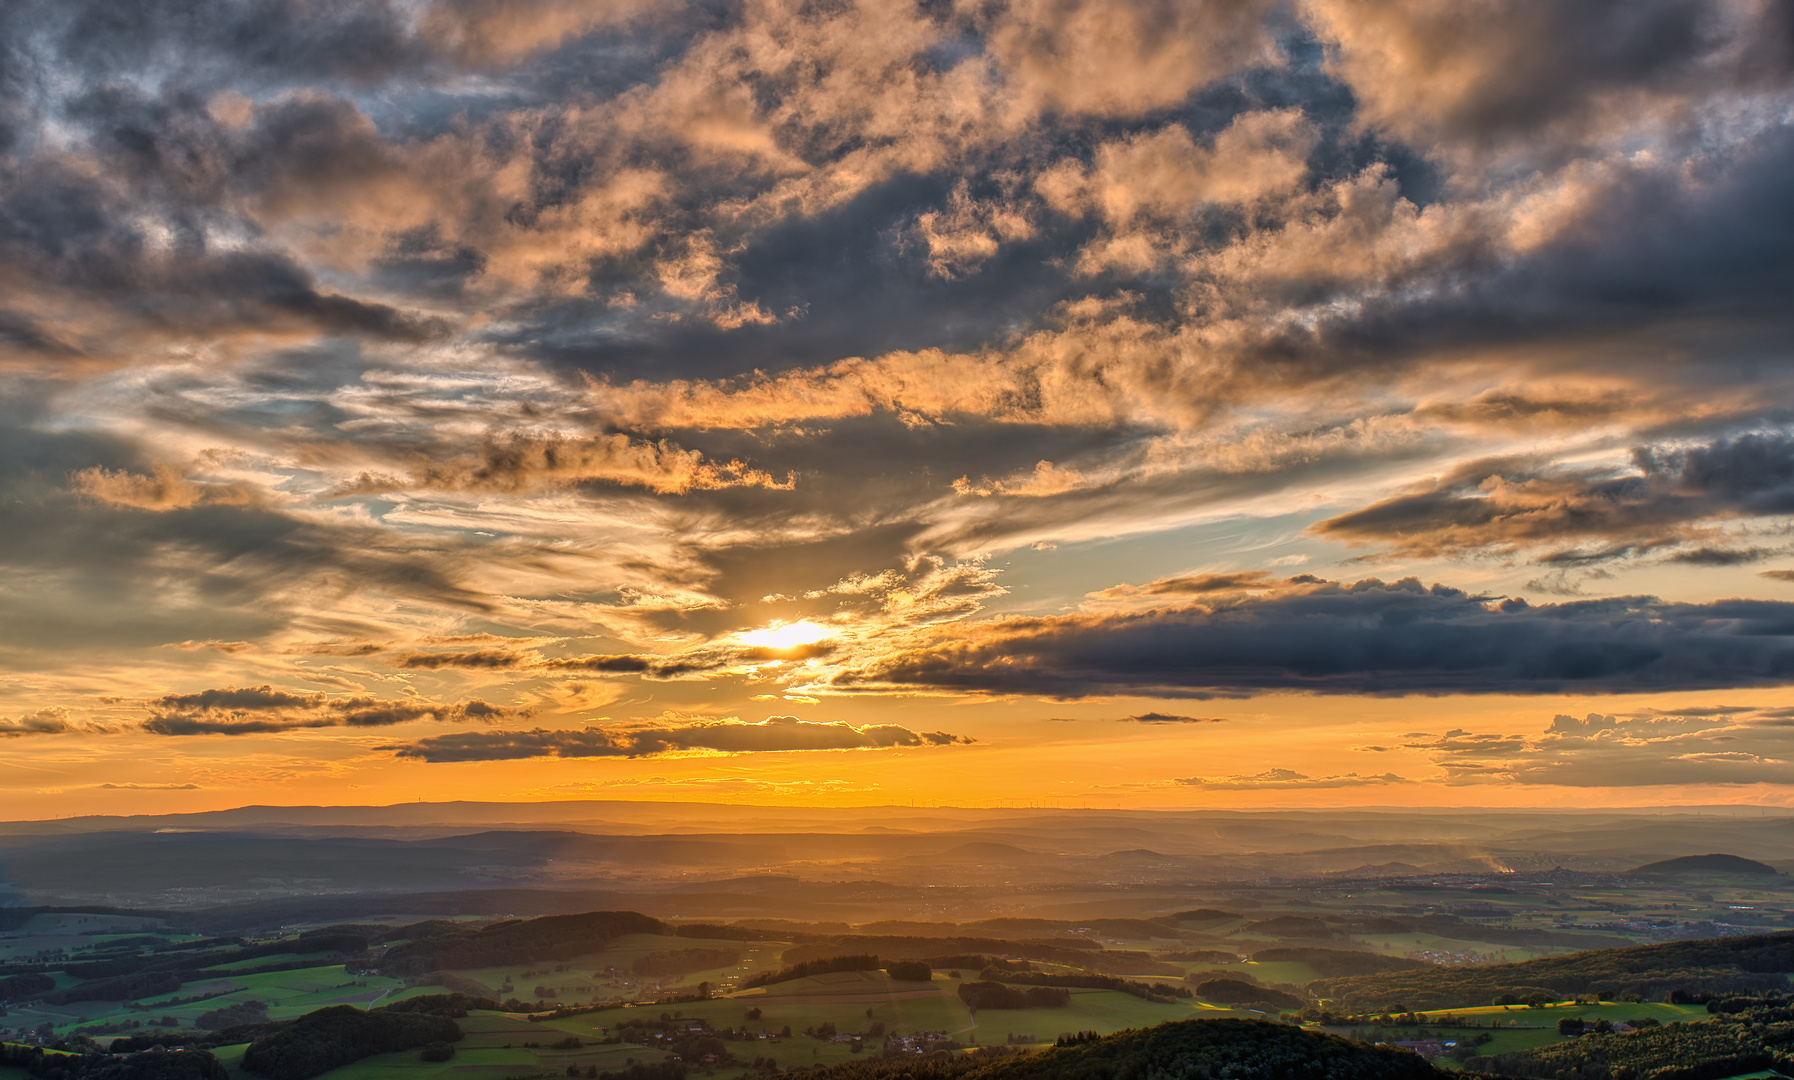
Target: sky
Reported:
[(1139, 403)]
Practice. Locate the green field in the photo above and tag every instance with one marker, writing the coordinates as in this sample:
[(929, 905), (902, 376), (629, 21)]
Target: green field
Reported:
[(1522, 1028), (287, 994), (607, 975)]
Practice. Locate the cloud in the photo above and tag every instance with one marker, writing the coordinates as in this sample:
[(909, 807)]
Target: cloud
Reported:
[(1168, 718), (1728, 746), (775, 734), (1659, 499), (1289, 780), (1120, 58), (53, 721), (164, 489), (1533, 69), (478, 660), (519, 463), (261, 710), (149, 787), (1371, 637)]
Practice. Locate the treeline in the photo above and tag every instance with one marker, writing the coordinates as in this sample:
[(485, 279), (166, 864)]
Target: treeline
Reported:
[(1740, 965), (1164, 993), (446, 1005), (328, 1038), (684, 961), (1202, 956), (328, 940), (1746, 1036), (719, 932), (1240, 992), (130, 978), (822, 965), (127, 988), (150, 1065), (994, 995), (552, 937), (127, 978), (25, 987), (1107, 961), (1451, 926), (1235, 1049), (1336, 963)]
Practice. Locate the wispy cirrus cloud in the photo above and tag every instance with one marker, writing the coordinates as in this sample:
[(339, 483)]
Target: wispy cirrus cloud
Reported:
[(1290, 780)]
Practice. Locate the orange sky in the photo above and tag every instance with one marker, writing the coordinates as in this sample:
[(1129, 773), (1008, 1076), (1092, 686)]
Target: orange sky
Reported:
[(1104, 402)]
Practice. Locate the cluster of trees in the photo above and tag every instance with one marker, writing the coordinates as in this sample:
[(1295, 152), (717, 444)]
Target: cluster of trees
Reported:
[(1334, 963), (454, 1005), (1202, 956), (1290, 926), (197, 963), (1757, 1035), (994, 995), (683, 961), (165, 970), (124, 988), (327, 1038), (149, 1065), (1741, 965), (1078, 953), (910, 970), (26, 986), (1207, 914), (821, 965), (1235, 1049), (1240, 992), (1163, 993), (244, 1012), (552, 937), (692, 1042)]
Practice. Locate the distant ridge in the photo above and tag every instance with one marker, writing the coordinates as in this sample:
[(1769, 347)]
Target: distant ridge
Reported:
[(1708, 864)]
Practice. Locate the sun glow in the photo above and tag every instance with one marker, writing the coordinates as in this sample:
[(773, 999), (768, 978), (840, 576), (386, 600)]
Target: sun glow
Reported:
[(786, 636)]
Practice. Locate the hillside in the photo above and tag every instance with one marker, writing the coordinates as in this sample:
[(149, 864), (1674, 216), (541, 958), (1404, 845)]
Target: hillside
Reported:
[(1708, 864), (1754, 963)]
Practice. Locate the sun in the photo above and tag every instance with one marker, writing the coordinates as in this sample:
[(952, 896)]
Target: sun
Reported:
[(785, 635)]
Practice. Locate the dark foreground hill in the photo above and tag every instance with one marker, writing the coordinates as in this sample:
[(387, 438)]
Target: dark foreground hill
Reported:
[(1695, 865), (1185, 1050)]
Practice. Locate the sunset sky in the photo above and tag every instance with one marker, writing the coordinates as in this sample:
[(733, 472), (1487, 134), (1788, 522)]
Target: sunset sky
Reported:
[(1101, 402)]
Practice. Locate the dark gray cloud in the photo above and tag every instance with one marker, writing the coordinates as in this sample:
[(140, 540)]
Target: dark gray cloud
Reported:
[(1371, 637), (1170, 718), (261, 710), (775, 734), (1515, 68), (1657, 502)]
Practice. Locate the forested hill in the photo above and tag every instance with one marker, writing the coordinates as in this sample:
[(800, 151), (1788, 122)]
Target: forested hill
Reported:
[(1707, 864), (440, 945), (1734, 965), (1184, 1050)]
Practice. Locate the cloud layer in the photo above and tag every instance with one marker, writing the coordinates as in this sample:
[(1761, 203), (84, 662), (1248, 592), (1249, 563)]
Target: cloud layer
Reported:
[(775, 734), (447, 362), (1369, 637)]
